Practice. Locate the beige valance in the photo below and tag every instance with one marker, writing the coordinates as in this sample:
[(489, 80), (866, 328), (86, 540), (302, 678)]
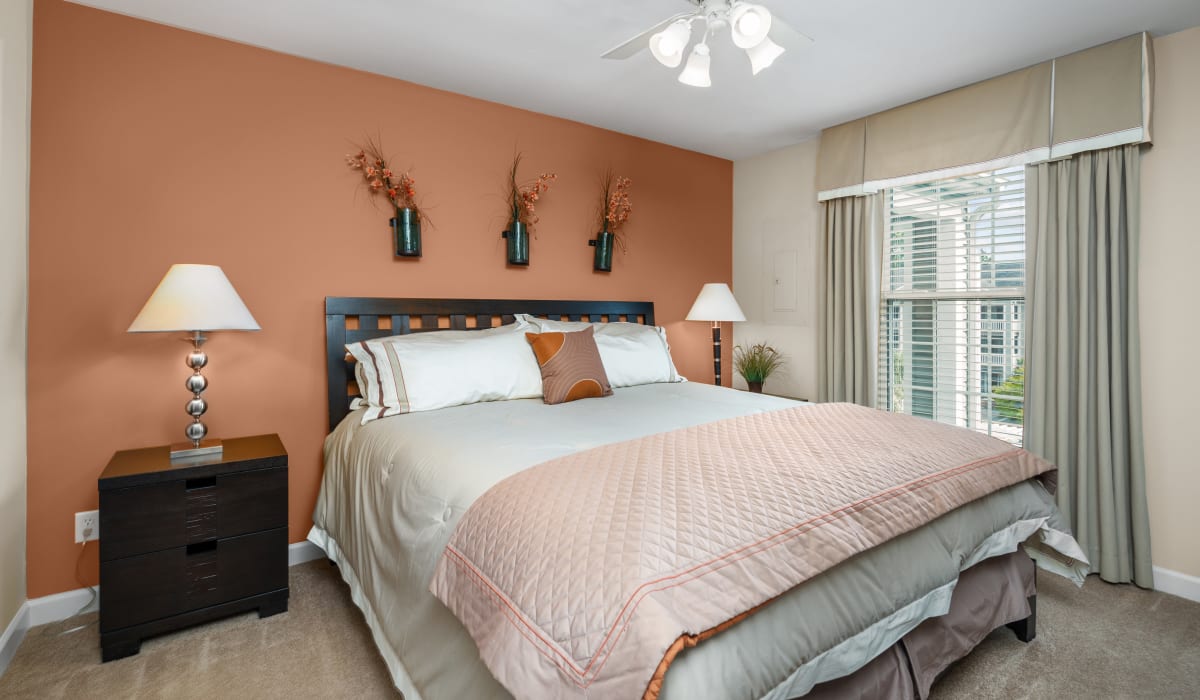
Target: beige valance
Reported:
[(977, 124), (840, 159), (1102, 96), (1092, 99)]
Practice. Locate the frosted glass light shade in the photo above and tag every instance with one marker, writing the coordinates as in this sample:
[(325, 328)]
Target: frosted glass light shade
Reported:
[(695, 73), (667, 46), (194, 298), (749, 24), (763, 55), (716, 303)]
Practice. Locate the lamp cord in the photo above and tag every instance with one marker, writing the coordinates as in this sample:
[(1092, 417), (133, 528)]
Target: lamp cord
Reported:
[(94, 592)]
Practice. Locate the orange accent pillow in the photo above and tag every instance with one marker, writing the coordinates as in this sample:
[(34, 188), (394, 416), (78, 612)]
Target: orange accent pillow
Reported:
[(571, 366)]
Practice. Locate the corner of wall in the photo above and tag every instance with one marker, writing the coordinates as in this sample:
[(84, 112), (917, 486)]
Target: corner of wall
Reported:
[(774, 261), (16, 38)]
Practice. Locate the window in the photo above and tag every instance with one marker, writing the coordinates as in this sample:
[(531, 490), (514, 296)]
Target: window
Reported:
[(953, 302)]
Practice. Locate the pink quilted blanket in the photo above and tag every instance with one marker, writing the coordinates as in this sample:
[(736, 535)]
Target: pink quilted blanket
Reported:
[(583, 576)]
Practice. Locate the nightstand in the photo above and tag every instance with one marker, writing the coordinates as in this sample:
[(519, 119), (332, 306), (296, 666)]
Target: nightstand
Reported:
[(187, 542)]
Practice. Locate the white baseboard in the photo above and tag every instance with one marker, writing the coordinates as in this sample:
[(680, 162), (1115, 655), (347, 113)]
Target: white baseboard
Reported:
[(1176, 583), (40, 611), (60, 606), (300, 552), (13, 634)]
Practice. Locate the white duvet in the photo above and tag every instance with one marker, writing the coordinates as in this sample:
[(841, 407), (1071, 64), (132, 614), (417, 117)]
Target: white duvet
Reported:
[(394, 489)]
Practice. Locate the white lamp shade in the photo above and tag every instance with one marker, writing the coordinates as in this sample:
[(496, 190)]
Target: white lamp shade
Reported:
[(763, 55), (749, 24), (194, 298), (667, 46), (695, 73), (716, 303)]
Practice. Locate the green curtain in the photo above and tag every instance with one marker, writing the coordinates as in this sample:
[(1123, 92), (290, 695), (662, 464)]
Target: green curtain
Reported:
[(851, 240), (1083, 385)]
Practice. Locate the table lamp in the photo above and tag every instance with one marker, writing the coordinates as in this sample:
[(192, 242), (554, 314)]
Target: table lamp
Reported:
[(194, 299), (716, 303)]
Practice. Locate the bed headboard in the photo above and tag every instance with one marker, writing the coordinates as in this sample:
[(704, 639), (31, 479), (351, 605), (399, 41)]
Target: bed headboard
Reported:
[(354, 319)]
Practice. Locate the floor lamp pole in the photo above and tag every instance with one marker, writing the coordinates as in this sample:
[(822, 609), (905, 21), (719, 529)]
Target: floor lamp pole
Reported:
[(716, 329)]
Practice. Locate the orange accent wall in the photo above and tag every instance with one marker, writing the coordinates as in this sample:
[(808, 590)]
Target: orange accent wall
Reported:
[(152, 145)]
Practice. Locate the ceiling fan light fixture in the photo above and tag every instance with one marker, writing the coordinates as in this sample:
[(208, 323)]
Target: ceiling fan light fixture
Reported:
[(763, 54), (749, 24), (695, 73), (668, 45)]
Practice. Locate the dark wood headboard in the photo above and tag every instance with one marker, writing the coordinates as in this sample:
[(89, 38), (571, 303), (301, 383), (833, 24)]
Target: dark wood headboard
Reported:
[(354, 319)]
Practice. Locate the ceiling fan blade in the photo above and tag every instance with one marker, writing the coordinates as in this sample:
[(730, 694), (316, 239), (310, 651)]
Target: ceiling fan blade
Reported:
[(783, 34), (641, 41)]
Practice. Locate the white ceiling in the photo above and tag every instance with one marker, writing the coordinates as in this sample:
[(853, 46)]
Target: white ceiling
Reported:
[(543, 56)]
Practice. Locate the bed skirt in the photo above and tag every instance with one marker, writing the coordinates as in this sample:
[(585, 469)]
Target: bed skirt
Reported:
[(995, 592)]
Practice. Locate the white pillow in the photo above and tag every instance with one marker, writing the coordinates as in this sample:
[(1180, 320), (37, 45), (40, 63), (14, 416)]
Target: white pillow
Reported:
[(632, 353), (519, 326), (428, 371)]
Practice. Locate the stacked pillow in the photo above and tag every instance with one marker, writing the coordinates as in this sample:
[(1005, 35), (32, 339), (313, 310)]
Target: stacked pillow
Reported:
[(632, 353), (571, 360), (437, 369)]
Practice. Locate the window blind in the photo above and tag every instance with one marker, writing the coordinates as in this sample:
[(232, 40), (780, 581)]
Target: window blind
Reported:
[(952, 341)]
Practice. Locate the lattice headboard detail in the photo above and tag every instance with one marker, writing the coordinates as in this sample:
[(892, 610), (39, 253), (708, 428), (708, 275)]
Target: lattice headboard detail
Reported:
[(354, 319)]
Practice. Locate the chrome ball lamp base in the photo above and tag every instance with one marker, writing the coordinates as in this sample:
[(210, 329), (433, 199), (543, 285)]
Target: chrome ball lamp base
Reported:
[(196, 431)]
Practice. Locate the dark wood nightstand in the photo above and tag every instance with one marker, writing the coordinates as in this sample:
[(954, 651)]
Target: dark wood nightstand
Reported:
[(191, 541)]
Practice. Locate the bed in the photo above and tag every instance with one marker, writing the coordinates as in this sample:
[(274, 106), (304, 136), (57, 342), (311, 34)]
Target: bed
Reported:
[(884, 622)]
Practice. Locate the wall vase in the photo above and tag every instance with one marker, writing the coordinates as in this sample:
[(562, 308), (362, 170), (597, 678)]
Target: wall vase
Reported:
[(518, 243), (603, 243), (406, 227)]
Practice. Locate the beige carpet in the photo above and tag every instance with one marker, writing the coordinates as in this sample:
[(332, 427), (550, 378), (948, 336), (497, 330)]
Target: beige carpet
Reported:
[(320, 648), (1102, 641)]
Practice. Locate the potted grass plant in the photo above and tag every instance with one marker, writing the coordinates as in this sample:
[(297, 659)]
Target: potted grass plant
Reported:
[(755, 363)]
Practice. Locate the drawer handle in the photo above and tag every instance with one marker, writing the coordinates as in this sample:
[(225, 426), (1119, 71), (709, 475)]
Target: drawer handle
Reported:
[(201, 483), (202, 547)]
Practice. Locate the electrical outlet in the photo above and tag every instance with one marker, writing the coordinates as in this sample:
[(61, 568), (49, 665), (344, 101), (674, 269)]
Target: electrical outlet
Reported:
[(87, 526)]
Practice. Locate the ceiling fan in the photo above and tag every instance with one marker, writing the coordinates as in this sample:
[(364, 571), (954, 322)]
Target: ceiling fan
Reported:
[(751, 26)]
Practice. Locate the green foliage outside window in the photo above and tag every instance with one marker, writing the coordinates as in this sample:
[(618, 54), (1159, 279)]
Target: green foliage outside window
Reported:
[(898, 381), (1008, 410)]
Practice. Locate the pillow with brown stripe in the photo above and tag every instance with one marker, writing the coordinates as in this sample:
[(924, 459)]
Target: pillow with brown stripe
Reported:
[(571, 366), (439, 369)]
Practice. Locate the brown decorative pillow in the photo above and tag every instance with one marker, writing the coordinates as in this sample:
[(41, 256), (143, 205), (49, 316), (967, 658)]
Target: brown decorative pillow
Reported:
[(571, 366)]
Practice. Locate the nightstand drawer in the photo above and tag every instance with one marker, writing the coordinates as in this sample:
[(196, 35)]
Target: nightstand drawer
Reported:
[(154, 517), (156, 585)]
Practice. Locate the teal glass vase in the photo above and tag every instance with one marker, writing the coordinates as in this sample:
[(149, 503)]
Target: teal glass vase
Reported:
[(603, 242), (406, 227), (518, 243)]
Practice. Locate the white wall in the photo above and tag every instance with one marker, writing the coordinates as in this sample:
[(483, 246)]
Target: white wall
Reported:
[(775, 219), (1170, 332), (16, 29)]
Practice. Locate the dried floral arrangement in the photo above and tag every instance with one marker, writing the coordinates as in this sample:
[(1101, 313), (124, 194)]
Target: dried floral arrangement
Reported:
[(399, 189), (615, 205), (523, 196)]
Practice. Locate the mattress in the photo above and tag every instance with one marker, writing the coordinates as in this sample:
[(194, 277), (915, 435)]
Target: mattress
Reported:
[(394, 489)]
